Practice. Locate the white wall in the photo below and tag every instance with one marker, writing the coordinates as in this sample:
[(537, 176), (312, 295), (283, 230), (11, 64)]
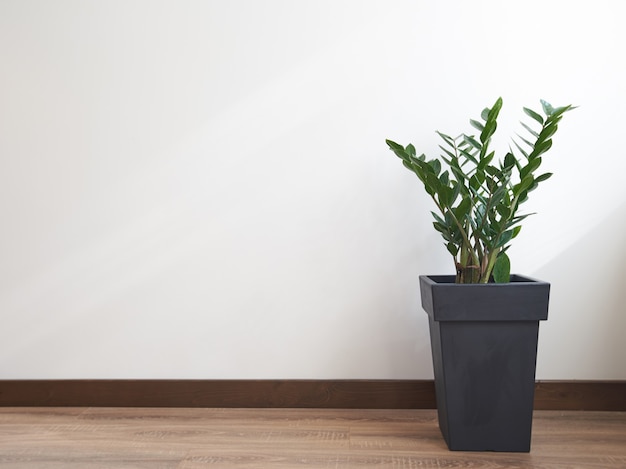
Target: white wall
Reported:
[(193, 189)]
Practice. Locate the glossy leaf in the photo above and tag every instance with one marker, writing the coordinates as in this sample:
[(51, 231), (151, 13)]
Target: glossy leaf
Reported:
[(502, 269), (504, 238), (557, 112), (447, 152), (446, 138), (521, 150), (504, 210), (530, 144), (488, 131), (472, 141), (532, 132), (463, 208), (547, 107), (444, 178), (478, 195), (477, 180), (442, 228), (509, 160), (530, 167), (541, 148), (485, 161), (452, 249), (543, 177), (547, 132), (436, 166), (468, 156), (534, 115), (477, 125)]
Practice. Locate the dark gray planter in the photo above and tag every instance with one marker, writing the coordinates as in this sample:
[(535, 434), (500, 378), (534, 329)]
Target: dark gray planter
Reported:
[(484, 346)]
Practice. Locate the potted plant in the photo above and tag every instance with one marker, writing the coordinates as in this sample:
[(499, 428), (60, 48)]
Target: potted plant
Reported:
[(483, 321)]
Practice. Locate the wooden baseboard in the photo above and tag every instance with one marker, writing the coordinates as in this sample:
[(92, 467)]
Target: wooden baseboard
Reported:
[(220, 393), (344, 394)]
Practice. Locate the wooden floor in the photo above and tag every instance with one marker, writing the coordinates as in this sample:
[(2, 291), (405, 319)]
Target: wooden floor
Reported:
[(287, 438)]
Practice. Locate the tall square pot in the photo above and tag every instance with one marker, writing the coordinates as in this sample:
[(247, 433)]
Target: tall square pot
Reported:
[(484, 349)]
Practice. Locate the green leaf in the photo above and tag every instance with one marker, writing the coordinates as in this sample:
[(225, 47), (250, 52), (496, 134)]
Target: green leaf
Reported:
[(453, 249), (502, 269), (523, 197), (458, 173), (485, 161), (506, 199), (495, 109), (540, 149), (440, 227), (522, 151), (397, 149), (444, 178), (504, 238), (447, 152), (533, 187), (519, 218), (445, 194), (463, 209), (468, 156), (557, 112), (477, 180), (547, 132), (530, 167), (530, 130), (509, 160), (472, 141), (456, 190), (438, 218), (504, 210), (547, 108), (492, 171), (534, 115), (524, 184), (477, 125), (436, 166), (543, 177), (491, 121), (530, 144), (498, 194), (408, 165), (401, 152), (449, 140), (432, 182), (490, 128), (449, 218), (393, 145)]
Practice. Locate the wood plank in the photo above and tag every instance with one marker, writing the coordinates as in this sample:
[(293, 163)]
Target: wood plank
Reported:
[(332, 394), (179, 438)]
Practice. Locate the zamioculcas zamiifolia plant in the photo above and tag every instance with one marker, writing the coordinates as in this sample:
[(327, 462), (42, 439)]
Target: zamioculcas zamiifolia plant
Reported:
[(477, 195)]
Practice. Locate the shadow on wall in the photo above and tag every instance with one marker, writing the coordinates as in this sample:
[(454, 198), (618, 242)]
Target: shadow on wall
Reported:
[(587, 298)]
